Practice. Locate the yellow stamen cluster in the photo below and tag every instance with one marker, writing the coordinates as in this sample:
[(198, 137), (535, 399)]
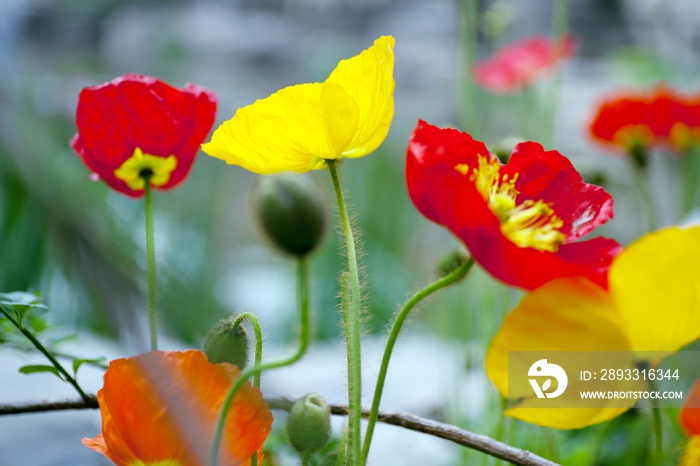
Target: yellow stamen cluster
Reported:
[(691, 456), (634, 135), (684, 137), (159, 168), (530, 224)]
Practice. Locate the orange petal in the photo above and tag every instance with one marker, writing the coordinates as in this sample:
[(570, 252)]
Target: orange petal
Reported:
[(690, 417), (163, 406)]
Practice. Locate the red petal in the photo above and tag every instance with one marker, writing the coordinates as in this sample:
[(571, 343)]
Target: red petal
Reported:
[(133, 111), (431, 176), (549, 176)]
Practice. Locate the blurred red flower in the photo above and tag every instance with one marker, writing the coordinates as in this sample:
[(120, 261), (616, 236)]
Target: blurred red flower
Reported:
[(138, 123), (520, 220), (519, 64), (638, 120)]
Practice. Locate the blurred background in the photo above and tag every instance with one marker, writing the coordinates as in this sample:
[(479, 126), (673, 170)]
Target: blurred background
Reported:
[(83, 245)]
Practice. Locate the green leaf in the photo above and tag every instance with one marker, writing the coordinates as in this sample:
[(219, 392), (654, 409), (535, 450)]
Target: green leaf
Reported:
[(79, 362), (57, 341), (33, 369), (21, 302)]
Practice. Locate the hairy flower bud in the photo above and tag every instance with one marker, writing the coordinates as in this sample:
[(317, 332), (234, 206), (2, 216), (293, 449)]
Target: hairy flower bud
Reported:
[(224, 343), (309, 425), (451, 262), (292, 212)]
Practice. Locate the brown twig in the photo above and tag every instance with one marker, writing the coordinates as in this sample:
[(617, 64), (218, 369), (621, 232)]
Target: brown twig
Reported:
[(449, 432)]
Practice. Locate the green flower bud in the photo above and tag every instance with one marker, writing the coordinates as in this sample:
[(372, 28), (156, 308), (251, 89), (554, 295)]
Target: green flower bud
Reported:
[(309, 425), (291, 211), (451, 262), (224, 343)]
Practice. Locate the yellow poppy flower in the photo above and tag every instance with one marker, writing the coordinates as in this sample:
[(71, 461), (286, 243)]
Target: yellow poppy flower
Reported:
[(299, 127), (652, 305)]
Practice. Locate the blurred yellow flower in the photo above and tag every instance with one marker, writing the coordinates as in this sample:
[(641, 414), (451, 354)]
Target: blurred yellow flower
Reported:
[(653, 305), (299, 127)]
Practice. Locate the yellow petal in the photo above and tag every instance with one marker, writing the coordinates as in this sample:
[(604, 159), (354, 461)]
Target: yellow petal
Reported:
[(565, 418), (655, 284), (368, 78), (292, 130), (567, 314)]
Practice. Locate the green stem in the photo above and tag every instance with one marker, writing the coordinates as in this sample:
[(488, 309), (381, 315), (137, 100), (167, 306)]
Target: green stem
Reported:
[(642, 183), (394, 335), (352, 330), (303, 296), (37, 344), (150, 247), (253, 319), (658, 426), (343, 447), (345, 301), (468, 31)]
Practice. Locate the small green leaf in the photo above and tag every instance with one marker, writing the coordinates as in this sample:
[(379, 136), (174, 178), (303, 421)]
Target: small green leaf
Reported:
[(79, 362), (56, 341), (21, 302), (33, 369)]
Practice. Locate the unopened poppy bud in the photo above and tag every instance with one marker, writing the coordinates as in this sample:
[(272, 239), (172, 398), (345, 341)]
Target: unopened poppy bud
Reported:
[(226, 343), (291, 211), (309, 425), (451, 262)]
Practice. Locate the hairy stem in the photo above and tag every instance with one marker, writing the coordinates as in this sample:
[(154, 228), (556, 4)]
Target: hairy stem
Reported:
[(391, 341), (303, 296), (253, 319), (352, 322)]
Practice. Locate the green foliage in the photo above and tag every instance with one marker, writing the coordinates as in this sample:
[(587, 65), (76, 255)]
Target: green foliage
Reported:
[(21, 303), (35, 369), (79, 362)]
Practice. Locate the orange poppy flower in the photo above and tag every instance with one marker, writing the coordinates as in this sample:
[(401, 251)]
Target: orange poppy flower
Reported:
[(161, 408), (690, 421)]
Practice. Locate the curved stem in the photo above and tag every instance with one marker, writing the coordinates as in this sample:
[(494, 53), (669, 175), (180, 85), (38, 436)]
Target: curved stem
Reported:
[(253, 319), (150, 248), (37, 344), (303, 296), (352, 322), (391, 341)]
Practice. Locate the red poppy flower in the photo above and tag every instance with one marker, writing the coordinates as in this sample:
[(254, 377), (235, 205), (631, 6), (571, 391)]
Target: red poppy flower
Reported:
[(135, 123), (519, 64), (643, 119), (161, 408), (520, 220)]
